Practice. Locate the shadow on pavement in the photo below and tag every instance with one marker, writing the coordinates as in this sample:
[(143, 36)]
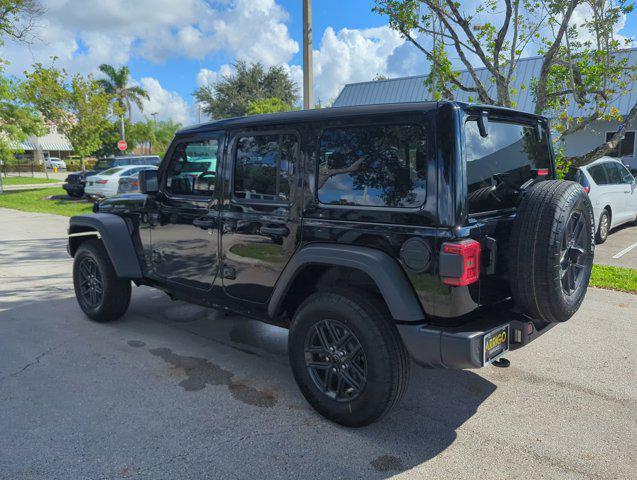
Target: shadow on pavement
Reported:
[(250, 360)]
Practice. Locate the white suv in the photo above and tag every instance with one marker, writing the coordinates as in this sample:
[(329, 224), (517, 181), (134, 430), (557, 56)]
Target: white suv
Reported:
[(613, 193)]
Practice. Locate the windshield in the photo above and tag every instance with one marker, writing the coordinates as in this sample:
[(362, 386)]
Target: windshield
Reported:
[(499, 164), (111, 171)]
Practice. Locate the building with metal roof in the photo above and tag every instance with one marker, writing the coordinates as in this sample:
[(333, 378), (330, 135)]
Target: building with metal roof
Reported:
[(413, 89)]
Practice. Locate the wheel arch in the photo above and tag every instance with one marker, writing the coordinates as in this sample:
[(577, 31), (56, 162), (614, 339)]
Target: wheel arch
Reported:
[(116, 237), (320, 260)]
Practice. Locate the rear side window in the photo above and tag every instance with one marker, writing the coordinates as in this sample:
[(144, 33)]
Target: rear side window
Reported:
[(499, 164), (264, 166), (373, 166), (599, 175)]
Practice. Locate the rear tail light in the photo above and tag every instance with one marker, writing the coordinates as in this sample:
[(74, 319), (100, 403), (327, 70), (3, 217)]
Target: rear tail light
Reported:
[(460, 263), (587, 189), (542, 172), (134, 184), (102, 182)]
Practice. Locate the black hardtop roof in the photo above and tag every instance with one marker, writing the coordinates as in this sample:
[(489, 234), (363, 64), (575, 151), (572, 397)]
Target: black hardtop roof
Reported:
[(322, 114), (315, 115)]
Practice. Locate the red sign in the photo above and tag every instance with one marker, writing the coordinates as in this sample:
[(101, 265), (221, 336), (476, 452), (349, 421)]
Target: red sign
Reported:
[(122, 145)]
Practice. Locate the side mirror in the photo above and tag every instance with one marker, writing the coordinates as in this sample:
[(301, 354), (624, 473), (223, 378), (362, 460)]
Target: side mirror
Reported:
[(148, 181)]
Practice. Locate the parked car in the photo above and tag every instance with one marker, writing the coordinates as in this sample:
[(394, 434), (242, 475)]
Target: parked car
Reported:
[(128, 184), (54, 162), (435, 231), (107, 183), (74, 183), (613, 193)]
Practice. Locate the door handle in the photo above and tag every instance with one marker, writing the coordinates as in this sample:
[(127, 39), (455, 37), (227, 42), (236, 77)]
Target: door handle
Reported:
[(278, 231), (204, 223)]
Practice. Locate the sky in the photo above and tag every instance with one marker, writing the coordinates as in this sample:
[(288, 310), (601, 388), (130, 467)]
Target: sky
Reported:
[(174, 46)]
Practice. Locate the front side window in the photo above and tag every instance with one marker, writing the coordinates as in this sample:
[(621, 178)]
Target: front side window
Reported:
[(627, 177), (373, 166), (193, 168), (614, 173), (499, 164), (264, 166)]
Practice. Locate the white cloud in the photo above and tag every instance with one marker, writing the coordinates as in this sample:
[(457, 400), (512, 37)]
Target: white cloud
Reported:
[(84, 34), (352, 56), (166, 104)]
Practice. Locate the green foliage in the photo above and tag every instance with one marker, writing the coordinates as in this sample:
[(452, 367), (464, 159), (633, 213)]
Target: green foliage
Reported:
[(77, 105), (267, 105), (231, 96), (123, 95), (17, 119)]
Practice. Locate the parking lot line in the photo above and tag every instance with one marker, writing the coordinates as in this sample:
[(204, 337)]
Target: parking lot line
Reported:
[(625, 251)]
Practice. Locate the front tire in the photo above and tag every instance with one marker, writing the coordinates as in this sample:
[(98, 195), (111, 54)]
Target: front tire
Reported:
[(603, 227), (102, 295), (347, 356)]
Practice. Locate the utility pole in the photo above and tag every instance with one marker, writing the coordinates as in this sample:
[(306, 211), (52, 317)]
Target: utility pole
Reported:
[(308, 74)]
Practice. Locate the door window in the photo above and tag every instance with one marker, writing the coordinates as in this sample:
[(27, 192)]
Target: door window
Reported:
[(614, 175), (193, 168), (627, 177), (598, 173), (373, 166), (264, 166)]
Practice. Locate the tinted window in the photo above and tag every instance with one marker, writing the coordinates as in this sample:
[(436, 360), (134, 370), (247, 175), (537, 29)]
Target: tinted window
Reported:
[(598, 172), (625, 148), (263, 167), (377, 166), (500, 163), (111, 171), (613, 173), (193, 168)]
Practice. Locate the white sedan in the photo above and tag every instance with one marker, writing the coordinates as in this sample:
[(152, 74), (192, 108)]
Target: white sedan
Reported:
[(106, 183), (613, 193)]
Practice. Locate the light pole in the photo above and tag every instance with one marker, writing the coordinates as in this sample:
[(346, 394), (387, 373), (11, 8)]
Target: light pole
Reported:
[(308, 80), (150, 142)]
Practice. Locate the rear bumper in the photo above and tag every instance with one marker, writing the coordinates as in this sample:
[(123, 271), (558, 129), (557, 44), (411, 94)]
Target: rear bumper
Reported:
[(461, 346)]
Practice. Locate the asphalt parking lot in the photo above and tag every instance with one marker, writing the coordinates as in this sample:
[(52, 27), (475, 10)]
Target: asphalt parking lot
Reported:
[(177, 391), (620, 249)]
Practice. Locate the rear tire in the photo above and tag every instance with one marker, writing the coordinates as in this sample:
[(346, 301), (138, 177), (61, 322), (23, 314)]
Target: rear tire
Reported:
[(373, 361), (551, 251), (603, 227), (102, 295)]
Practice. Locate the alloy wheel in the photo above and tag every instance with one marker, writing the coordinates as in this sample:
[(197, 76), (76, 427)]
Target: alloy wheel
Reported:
[(573, 255), (91, 285), (335, 360)]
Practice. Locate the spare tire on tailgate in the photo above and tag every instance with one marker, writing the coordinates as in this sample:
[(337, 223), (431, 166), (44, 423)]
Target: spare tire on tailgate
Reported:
[(551, 250)]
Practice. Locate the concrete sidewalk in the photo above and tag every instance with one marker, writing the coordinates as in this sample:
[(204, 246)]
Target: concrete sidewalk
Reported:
[(175, 391)]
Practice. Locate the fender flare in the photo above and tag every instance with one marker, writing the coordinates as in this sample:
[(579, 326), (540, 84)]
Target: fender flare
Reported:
[(385, 271), (116, 237)]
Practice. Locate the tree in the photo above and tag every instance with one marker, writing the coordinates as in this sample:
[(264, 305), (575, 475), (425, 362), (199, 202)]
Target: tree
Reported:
[(77, 106), (17, 19), (17, 120), (267, 105), (116, 84), (90, 107), (231, 96), (574, 68)]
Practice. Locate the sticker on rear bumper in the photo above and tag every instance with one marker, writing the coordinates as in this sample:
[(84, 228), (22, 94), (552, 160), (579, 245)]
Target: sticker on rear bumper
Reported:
[(495, 343)]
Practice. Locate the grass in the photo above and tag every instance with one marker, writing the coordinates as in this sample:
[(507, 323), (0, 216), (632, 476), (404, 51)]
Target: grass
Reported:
[(267, 252), (614, 278), (27, 180), (37, 201)]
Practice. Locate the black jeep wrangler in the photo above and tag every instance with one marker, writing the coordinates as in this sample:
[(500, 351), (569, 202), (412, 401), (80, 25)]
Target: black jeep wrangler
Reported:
[(435, 231)]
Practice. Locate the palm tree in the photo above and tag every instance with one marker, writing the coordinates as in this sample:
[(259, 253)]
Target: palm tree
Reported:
[(116, 84)]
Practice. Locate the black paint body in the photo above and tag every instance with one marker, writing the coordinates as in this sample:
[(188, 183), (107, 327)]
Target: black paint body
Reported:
[(187, 245)]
